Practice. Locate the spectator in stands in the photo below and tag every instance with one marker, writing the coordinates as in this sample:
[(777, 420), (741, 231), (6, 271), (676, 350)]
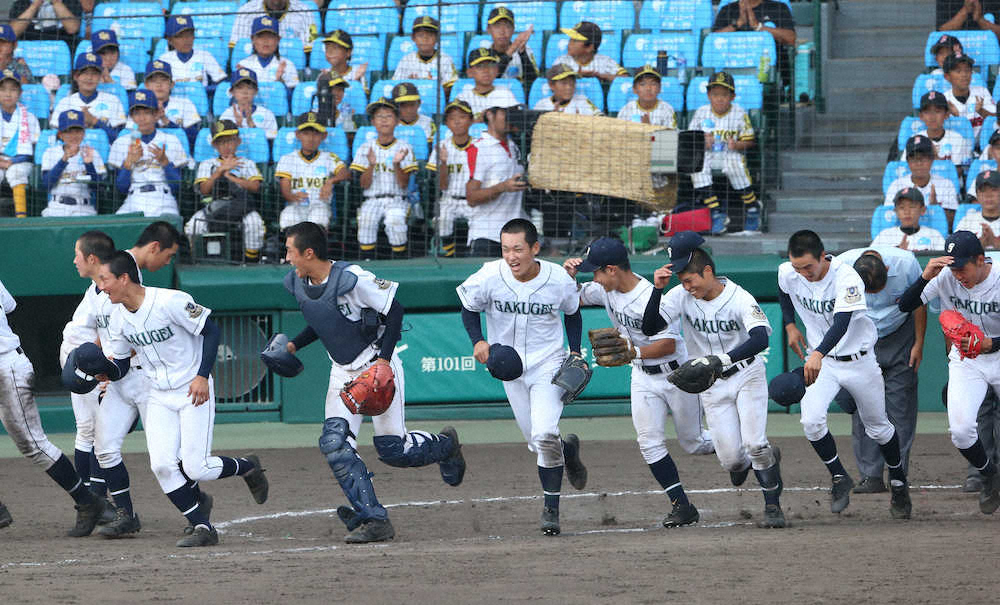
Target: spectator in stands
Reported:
[(187, 63), (581, 54), (517, 60), (407, 99), (71, 169), (427, 62), (265, 60), (105, 44), (945, 45), (965, 99), (338, 48), (935, 189), (966, 15), (306, 176), (148, 160), (496, 184), (985, 223), (948, 144), (768, 16), (242, 110), (100, 109), (294, 19), (8, 44), (175, 111), (648, 108), (229, 185), (564, 98), (18, 135), (451, 163), (910, 234), (728, 134), (483, 69), (991, 153), (385, 164), (46, 20)]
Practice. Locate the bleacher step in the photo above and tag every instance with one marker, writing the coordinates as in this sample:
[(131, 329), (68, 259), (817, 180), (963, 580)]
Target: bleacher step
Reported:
[(856, 158), (866, 72), (776, 243), (843, 223), (871, 102), (870, 42), (898, 13), (856, 180), (826, 201)]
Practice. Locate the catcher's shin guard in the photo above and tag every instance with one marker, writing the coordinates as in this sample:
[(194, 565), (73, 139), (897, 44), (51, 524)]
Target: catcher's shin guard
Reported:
[(419, 449), (349, 469)]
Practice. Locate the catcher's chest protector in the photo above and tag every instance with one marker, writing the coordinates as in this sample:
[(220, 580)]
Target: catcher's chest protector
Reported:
[(343, 338)]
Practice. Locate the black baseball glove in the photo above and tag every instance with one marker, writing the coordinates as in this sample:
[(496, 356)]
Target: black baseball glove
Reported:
[(697, 375)]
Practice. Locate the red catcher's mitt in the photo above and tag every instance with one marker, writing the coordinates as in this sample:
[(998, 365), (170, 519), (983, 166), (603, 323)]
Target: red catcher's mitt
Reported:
[(957, 328), (371, 392)]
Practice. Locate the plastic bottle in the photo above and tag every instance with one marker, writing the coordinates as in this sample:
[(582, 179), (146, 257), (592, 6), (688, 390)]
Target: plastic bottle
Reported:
[(681, 68), (764, 71)]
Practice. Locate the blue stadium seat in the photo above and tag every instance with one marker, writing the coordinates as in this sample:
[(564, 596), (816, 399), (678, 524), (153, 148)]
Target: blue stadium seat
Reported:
[(335, 142), (194, 92), (725, 2), (893, 171), (737, 50), (987, 130), (36, 99), (749, 92), (981, 45), (671, 91), (46, 56), (403, 45), (253, 145), (607, 14), (911, 126), (367, 49), (611, 45), (217, 47), (95, 137), (302, 98), (514, 85), (642, 49), (358, 17), (676, 15), (591, 87), (212, 19), (431, 95), (133, 52), (485, 41), (960, 213), (134, 20), (884, 217), (454, 17), (975, 168), (289, 48), (925, 83), (272, 95), (541, 14)]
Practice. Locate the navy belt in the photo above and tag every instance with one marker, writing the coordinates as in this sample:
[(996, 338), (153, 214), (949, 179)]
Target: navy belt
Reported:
[(854, 357), (737, 367), (70, 201), (148, 188), (658, 369)]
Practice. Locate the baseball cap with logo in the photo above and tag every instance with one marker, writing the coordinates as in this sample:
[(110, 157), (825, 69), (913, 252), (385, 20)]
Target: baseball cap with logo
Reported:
[(559, 72), (340, 38), (177, 24), (723, 79), (378, 104), (989, 178), (585, 31), (7, 33), (102, 39), (945, 41), (908, 193), (602, 252), (224, 128), (681, 248), (142, 97), (647, 70), (70, 119), (933, 99), (405, 92), (919, 145), (482, 55), (8, 74), (460, 105), (309, 119), (953, 61), (242, 74), (500, 13), (426, 22), (962, 246), (333, 81), (158, 67), (86, 61), (264, 24)]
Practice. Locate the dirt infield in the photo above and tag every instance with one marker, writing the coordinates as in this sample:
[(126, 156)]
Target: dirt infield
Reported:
[(479, 542)]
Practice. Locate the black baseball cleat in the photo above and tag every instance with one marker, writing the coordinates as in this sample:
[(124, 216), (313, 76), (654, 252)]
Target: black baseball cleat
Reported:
[(738, 478), (550, 521), (576, 472), (349, 517), (900, 506), (88, 516), (201, 536), (372, 530), (989, 498), (840, 493), (256, 480), (774, 518), (5, 518), (681, 515), (870, 485), (453, 467), (205, 502), (123, 526), (973, 485)]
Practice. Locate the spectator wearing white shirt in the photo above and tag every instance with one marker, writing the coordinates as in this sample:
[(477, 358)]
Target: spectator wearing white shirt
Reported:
[(105, 44), (187, 63), (910, 234), (242, 110), (265, 60), (564, 98), (294, 19), (948, 144), (70, 169), (483, 69), (985, 223), (920, 156), (581, 53)]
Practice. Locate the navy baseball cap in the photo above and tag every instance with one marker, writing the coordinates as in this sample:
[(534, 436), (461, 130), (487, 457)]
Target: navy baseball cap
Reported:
[(933, 99), (945, 41), (264, 24), (241, 74), (504, 363), (602, 252), (787, 388), (87, 60), (7, 33), (70, 119), (102, 39), (987, 177), (681, 247), (158, 67), (177, 24), (919, 145), (142, 97), (953, 61), (962, 246), (8, 74), (909, 193)]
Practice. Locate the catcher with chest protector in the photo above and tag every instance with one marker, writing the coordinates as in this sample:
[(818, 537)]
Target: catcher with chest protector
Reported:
[(623, 294), (725, 329), (969, 288), (359, 321)]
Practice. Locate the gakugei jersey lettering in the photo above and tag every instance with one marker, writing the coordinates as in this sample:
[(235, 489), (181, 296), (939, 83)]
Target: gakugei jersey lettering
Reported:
[(820, 307), (975, 307), (713, 326), (142, 339), (628, 321), (102, 321), (522, 308)]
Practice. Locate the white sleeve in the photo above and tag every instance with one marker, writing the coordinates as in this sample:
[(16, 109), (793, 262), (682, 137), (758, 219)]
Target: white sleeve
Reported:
[(933, 289), (970, 223), (474, 292), (119, 347), (60, 107), (118, 152), (212, 68), (33, 127), (946, 196), (269, 123), (284, 167), (784, 271), (127, 78), (372, 292), (175, 152), (359, 162), (753, 316), (850, 292), (184, 312), (51, 157), (570, 297), (81, 328), (116, 114), (670, 307), (290, 77), (592, 294), (7, 302)]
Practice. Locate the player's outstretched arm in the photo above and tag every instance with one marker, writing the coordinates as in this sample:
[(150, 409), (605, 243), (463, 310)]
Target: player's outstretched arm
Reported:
[(652, 321), (393, 330), (574, 330), (474, 328)]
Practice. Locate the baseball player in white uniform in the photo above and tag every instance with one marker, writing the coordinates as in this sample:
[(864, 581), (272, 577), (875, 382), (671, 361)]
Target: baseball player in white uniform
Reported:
[(176, 343), (148, 161), (175, 111), (935, 189), (648, 109), (985, 222), (296, 20), (69, 169), (427, 62), (564, 98), (452, 167), (972, 288), (18, 134), (242, 110), (20, 418), (623, 294), (910, 234), (101, 109), (517, 60), (307, 176), (949, 145), (966, 99), (384, 164), (189, 64), (358, 319), (581, 53), (721, 319), (829, 297), (265, 61), (522, 298), (104, 43), (407, 98), (483, 67)]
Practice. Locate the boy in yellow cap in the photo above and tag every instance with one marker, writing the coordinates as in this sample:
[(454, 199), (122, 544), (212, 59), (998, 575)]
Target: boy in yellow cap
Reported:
[(483, 69), (648, 108), (562, 81), (427, 62)]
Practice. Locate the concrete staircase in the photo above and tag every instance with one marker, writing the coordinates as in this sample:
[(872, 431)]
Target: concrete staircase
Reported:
[(831, 172)]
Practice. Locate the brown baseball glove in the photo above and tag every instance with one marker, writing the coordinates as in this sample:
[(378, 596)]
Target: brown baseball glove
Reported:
[(610, 348), (371, 392), (964, 335)]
